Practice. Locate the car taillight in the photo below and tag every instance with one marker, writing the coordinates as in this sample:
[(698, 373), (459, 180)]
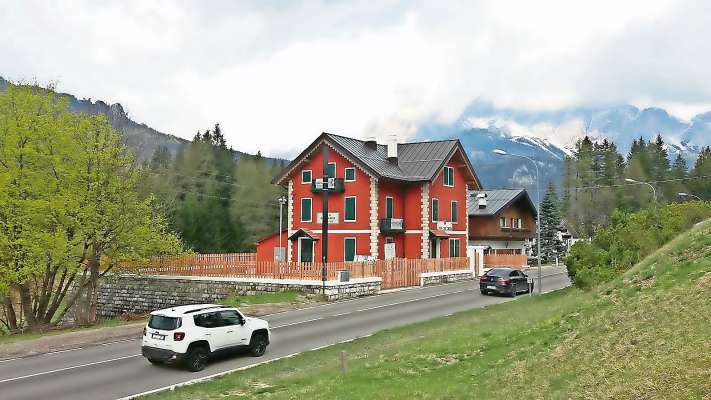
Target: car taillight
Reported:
[(178, 336), (144, 331), (503, 280), (483, 278)]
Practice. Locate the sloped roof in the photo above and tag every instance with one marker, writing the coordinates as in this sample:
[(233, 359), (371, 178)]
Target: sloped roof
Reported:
[(497, 200), (417, 161)]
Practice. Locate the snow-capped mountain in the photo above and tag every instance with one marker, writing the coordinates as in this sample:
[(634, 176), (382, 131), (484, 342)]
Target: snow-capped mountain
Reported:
[(549, 136)]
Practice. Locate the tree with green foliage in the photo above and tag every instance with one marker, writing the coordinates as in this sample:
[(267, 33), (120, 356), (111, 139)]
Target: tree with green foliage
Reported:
[(255, 207), (69, 209), (701, 175), (628, 239), (551, 245)]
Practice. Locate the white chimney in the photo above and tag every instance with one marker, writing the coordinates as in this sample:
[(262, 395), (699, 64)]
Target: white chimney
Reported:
[(481, 200), (392, 148)]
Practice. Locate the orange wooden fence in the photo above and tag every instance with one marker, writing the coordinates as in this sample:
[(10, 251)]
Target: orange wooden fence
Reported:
[(397, 272), (505, 260)]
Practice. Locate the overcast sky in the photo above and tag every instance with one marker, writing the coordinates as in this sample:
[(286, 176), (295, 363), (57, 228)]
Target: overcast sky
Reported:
[(276, 74)]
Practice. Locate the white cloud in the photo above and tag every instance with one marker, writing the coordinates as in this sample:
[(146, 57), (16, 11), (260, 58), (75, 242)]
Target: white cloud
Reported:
[(276, 76)]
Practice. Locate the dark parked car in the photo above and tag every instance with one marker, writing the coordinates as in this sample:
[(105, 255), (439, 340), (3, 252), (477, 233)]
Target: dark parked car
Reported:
[(506, 281)]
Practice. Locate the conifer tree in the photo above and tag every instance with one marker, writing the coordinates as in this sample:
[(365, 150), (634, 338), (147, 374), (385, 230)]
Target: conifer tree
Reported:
[(551, 245)]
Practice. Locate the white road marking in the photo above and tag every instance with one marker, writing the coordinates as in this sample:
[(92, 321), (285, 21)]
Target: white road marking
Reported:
[(61, 351), (296, 323), (11, 359), (67, 368)]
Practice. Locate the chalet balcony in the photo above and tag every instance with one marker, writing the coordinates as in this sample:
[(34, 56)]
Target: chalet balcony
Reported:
[(510, 229), (338, 186), (392, 225)]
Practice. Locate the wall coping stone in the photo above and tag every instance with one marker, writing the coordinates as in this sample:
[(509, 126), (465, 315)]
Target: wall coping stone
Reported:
[(443, 273)]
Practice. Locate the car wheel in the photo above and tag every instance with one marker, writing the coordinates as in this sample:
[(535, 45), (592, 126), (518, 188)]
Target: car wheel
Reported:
[(154, 361), (484, 292), (258, 345), (513, 292), (196, 360)]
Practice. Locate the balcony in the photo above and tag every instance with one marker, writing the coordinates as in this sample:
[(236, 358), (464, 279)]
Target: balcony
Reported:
[(392, 225), (338, 186)]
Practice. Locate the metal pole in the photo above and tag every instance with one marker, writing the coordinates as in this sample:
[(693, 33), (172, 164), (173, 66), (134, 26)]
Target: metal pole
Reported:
[(654, 192), (324, 219), (281, 257), (538, 199)]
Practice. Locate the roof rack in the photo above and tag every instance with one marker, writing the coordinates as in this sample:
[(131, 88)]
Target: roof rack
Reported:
[(203, 309)]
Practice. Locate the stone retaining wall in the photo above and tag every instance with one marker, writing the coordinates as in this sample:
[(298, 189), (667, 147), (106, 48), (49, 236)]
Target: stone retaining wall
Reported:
[(121, 294), (436, 278)]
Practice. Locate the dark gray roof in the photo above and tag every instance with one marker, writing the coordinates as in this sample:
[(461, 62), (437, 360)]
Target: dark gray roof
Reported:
[(418, 161), (496, 200), (415, 161)]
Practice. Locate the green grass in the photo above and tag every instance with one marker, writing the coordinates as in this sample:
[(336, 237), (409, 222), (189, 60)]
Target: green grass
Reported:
[(7, 338), (646, 335), (266, 298)]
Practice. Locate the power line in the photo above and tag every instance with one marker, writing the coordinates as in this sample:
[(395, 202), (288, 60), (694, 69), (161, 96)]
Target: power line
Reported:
[(641, 183)]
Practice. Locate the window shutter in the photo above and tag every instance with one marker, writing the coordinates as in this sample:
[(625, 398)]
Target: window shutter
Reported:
[(350, 209)]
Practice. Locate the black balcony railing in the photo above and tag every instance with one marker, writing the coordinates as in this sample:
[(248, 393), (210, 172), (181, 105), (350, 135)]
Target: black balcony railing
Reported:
[(392, 225), (338, 186)]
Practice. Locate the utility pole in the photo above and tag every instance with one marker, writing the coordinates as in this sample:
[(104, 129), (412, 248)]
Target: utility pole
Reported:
[(324, 218)]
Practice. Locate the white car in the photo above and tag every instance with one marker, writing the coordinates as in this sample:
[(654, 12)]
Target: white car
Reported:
[(191, 334)]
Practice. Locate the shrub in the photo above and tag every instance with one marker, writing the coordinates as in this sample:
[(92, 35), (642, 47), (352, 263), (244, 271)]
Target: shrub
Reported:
[(629, 238)]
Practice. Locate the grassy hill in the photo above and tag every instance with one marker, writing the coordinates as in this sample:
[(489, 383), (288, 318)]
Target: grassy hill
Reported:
[(646, 335)]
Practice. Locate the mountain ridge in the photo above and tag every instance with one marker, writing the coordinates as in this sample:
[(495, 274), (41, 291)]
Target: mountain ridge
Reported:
[(140, 138)]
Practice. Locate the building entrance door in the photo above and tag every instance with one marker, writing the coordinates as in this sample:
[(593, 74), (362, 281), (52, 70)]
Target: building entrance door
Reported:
[(306, 250), (434, 248)]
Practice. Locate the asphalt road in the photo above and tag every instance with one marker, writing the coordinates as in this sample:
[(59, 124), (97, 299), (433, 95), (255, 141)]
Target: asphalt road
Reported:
[(116, 370)]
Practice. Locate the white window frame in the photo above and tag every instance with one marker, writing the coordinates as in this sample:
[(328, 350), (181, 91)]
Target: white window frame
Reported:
[(457, 246), (432, 208), (392, 201), (504, 220), (444, 176), (313, 249), (355, 208), (454, 205), (311, 172), (335, 170), (345, 174), (301, 209), (355, 248)]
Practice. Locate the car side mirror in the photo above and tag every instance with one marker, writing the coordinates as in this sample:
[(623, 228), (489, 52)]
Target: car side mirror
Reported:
[(242, 321)]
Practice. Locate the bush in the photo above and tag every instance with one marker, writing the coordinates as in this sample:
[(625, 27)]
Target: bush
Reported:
[(629, 238)]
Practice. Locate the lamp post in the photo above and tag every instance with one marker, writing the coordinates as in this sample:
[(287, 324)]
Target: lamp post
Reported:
[(636, 182), (538, 209), (682, 194), (282, 253)]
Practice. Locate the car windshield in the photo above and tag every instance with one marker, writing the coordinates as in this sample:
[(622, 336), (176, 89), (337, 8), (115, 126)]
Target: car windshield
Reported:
[(164, 323), (498, 272)]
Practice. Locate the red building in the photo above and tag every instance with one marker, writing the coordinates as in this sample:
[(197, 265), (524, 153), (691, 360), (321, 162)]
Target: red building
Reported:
[(406, 200)]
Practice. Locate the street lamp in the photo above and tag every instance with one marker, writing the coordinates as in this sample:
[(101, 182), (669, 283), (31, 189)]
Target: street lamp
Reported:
[(682, 194), (538, 208), (635, 182), (282, 253)]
